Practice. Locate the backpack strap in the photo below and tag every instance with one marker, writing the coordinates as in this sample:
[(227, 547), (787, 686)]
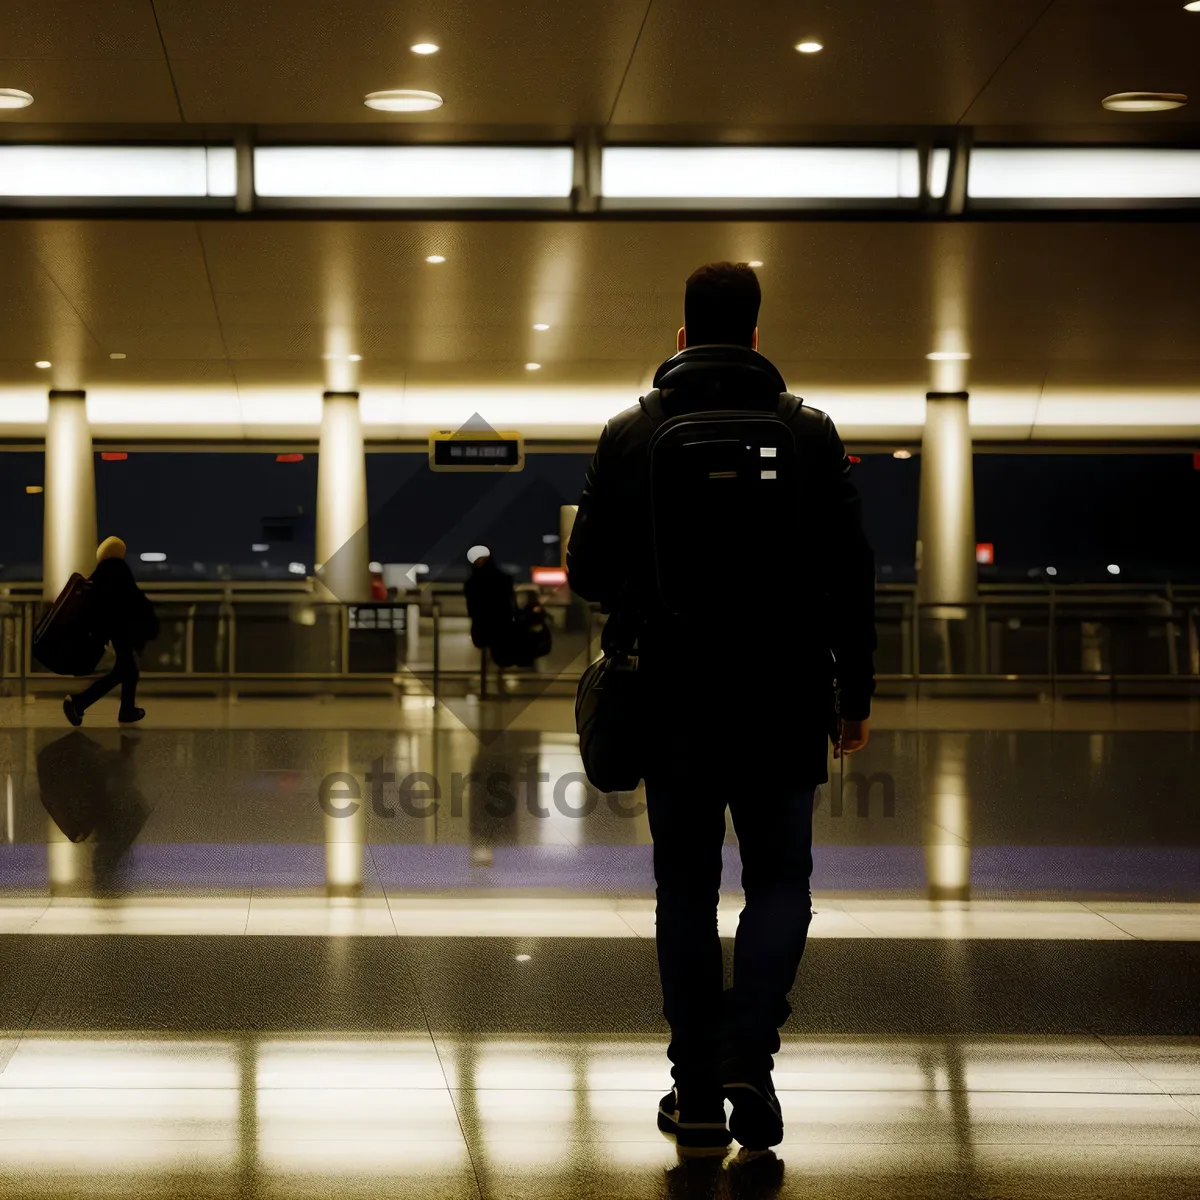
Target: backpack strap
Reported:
[(789, 406), (652, 406)]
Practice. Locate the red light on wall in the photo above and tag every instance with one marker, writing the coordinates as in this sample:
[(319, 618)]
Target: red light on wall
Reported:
[(289, 458), (548, 576), (1196, 461), (853, 458), (113, 455), (985, 553)]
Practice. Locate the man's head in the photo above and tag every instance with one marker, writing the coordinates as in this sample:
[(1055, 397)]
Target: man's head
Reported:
[(478, 556), (720, 306), (111, 547)]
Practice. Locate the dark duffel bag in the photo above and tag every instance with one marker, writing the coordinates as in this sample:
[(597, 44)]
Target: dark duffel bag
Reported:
[(609, 716), (65, 640)]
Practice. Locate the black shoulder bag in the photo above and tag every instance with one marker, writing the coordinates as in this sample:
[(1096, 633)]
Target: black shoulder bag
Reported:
[(609, 707)]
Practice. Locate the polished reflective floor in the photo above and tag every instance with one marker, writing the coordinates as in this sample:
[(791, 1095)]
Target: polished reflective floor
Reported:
[(369, 948)]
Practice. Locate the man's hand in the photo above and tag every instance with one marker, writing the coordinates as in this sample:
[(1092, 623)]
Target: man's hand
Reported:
[(854, 737)]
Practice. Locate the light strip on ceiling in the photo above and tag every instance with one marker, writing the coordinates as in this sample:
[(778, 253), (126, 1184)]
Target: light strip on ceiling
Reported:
[(717, 173), (1084, 174), (118, 172), (414, 172), (939, 172), (581, 411)]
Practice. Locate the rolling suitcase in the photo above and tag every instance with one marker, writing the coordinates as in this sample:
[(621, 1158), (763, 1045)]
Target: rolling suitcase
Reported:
[(65, 640)]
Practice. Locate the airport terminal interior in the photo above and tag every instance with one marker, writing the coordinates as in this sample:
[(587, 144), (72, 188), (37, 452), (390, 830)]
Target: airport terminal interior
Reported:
[(320, 306)]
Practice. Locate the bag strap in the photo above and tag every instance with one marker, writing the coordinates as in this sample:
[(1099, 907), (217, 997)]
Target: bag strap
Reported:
[(652, 405), (620, 632)]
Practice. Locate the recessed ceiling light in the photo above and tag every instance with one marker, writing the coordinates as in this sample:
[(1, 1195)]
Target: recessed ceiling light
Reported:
[(523, 957), (1194, 6), (754, 262), (354, 358), (425, 48), (42, 365), (809, 46), (533, 366), (403, 100), (435, 258), (34, 489), (116, 354), (948, 356), (902, 454), (1144, 101), (541, 328), (14, 98)]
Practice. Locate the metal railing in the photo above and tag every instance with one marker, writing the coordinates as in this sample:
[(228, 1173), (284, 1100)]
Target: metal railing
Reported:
[(1072, 640)]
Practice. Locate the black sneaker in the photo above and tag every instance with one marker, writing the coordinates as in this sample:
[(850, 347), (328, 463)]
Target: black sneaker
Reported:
[(757, 1120), (698, 1125), (71, 712), (130, 716)]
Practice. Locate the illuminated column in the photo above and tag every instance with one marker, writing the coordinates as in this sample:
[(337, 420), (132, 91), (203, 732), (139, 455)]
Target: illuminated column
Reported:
[(946, 820), (68, 863), (342, 548), (69, 531), (946, 521), (345, 824), (566, 523)]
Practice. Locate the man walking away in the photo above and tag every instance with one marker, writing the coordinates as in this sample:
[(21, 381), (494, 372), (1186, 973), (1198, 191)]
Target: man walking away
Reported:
[(719, 470), (126, 618)]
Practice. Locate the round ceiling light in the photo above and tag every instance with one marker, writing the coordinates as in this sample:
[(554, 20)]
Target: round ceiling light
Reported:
[(1194, 6), (435, 258), (403, 100), (42, 365), (809, 46), (533, 366), (425, 48), (116, 355), (902, 454), (541, 327), (1144, 101), (949, 356), (14, 98), (754, 262)]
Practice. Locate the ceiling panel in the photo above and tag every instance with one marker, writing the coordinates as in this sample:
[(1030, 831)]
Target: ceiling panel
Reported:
[(845, 304), (503, 62), (702, 68), (75, 29), (95, 91), (95, 62), (1084, 50), (884, 63)]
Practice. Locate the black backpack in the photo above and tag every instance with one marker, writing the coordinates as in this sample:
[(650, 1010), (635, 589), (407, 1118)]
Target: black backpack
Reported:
[(725, 502)]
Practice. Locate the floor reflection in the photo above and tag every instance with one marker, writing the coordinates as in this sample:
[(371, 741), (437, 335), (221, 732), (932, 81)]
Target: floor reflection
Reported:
[(944, 815), (96, 813), (293, 1114)]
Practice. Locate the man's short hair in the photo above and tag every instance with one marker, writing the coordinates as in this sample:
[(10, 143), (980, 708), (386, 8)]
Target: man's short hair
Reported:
[(720, 305)]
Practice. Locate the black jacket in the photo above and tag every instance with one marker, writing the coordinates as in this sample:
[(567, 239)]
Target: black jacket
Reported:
[(611, 546), (124, 612), (491, 604)]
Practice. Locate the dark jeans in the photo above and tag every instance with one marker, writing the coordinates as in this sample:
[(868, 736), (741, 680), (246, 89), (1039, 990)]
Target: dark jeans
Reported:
[(773, 821), (124, 672)]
